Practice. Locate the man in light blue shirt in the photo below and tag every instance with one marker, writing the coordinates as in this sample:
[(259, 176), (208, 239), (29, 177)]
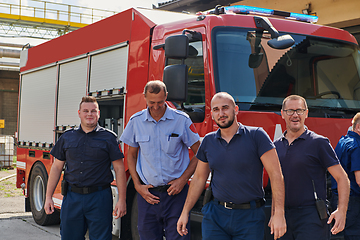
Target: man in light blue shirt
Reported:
[(158, 159)]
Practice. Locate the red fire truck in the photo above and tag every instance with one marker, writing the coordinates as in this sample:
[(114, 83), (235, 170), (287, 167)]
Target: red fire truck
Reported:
[(257, 55)]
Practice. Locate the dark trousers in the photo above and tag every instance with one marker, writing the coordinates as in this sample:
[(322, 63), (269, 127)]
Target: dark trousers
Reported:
[(220, 223), (156, 221), (303, 223), (80, 212), (352, 226)]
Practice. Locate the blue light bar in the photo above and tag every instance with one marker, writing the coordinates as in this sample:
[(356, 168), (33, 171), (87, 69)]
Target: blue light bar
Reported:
[(248, 9), (304, 17), (269, 12)]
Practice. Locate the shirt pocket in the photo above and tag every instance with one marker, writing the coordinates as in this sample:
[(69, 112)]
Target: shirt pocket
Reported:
[(173, 147), (98, 149), (144, 143), (71, 149)]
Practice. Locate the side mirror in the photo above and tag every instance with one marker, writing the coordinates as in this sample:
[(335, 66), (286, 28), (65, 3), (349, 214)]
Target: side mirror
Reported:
[(177, 47), (277, 41), (176, 80), (282, 42)]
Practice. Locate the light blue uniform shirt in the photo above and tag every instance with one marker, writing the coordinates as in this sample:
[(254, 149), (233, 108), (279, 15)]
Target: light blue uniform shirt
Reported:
[(163, 146)]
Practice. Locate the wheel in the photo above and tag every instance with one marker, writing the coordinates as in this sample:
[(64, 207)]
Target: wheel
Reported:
[(38, 184)]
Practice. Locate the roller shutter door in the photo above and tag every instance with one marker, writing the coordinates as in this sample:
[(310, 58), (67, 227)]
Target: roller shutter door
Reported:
[(37, 106), (109, 70), (72, 87)]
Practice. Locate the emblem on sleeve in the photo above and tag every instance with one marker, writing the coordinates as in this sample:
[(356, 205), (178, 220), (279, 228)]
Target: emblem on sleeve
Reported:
[(192, 128)]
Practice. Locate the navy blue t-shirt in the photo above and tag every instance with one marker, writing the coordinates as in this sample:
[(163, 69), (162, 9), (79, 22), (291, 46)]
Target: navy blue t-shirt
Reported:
[(306, 159), (238, 170), (88, 156), (348, 152)]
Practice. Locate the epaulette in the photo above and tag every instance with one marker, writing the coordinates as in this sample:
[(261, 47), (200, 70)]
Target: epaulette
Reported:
[(110, 131), (71, 129), (138, 114), (181, 113)]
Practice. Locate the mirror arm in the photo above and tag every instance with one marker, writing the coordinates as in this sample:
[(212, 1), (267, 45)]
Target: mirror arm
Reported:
[(266, 24)]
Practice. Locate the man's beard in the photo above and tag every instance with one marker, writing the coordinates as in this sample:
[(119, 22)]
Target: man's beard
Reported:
[(227, 125)]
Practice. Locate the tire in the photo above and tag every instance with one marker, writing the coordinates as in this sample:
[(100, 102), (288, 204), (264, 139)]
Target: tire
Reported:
[(38, 184)]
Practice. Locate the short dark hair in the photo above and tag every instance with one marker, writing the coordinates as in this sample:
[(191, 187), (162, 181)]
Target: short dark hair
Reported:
[(155, 86), (88, 99), (294, 97)]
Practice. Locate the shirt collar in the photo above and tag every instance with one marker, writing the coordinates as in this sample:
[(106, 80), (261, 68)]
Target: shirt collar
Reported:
[(169, 114), (354, 135), (238, 132), (304, 135), (96, 129)]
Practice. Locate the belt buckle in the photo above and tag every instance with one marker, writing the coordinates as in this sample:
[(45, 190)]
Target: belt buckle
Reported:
[(86, 190), (226, 205)]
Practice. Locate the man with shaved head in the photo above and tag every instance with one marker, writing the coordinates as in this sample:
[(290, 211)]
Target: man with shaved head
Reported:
[(236, 155)]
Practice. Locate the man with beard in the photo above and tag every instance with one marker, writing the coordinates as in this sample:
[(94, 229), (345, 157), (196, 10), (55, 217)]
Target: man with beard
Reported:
[(236, 154), (305, 157)]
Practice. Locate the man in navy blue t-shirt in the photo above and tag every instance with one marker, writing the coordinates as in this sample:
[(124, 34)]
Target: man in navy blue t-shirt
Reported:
[(304, 157), (348, 152), (236, 154)]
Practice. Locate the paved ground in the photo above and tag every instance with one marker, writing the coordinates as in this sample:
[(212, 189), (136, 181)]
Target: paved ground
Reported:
[(15, 223), (22, 226)]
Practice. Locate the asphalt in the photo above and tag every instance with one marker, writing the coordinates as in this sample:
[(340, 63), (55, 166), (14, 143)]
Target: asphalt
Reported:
[(15, 223), (23, 226)]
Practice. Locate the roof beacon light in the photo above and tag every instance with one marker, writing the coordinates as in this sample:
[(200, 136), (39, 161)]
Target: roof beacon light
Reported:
[(270, 12), (304, 17)]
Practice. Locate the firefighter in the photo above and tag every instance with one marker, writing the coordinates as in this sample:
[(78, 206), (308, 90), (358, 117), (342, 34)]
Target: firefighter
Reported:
[(158, 158), (348, 152), (305, 157), (88, 152), (236, 154)]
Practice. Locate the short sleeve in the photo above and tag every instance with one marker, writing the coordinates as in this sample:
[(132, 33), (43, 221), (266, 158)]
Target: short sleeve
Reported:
[(355, 160), (327, 154), (128, 135), (58, 150), (114, 149), (263, 141), (201, 153), (190, 135)]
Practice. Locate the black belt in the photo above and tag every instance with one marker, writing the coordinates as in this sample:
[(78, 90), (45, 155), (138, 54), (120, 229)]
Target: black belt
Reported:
[(87, 190), (163, 188), (230, 205)]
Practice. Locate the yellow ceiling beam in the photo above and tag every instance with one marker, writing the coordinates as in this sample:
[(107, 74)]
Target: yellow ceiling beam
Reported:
[(38, 21)]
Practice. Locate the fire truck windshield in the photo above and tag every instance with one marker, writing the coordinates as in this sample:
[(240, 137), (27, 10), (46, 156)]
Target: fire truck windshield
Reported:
[(324, 71)]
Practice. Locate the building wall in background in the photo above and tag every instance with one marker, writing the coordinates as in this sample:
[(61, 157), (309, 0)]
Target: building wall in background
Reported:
[(9, 89)]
